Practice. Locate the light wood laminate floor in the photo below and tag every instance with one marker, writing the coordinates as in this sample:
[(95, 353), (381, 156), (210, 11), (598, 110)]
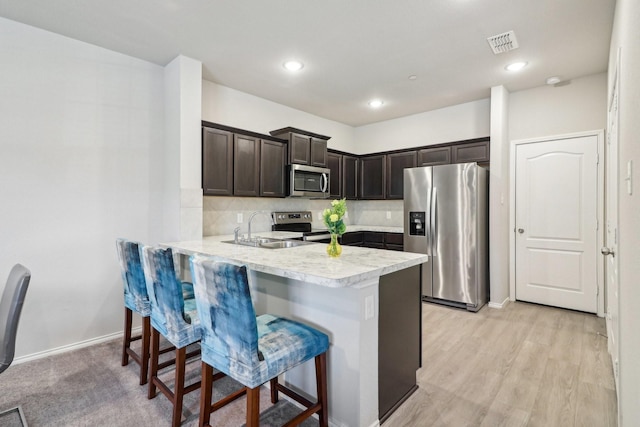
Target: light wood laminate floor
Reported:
[(523, 365)]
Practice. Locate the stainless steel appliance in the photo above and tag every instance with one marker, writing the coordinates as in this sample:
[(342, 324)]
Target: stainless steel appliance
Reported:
[(299, 221), (446, 217), (308, 181)]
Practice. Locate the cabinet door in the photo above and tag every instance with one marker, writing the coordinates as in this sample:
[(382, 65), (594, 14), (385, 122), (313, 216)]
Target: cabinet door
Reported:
[(373, 177), (334, 163), (396, 164), (354, 238), (217, 162), (373, 239), (394, 241), (299, 149), (318, 152), (273, 156), (473, 152), (246, 164), (434, 156), (349, 177)]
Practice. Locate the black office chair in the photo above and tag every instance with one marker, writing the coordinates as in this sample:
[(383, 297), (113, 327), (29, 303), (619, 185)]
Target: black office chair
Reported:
[(10, 308)]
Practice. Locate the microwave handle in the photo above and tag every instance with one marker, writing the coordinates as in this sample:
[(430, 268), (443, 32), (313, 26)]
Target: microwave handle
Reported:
[(325, 183)]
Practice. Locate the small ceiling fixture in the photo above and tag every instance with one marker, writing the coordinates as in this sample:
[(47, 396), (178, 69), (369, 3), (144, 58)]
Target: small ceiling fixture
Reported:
[(516, 66), (375, 103), (413, 77), (503, 42), (553, 80), (293, 65)]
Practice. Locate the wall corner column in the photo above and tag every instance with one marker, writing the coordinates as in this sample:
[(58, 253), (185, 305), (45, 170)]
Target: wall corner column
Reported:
[(499, 198), (183, 115)]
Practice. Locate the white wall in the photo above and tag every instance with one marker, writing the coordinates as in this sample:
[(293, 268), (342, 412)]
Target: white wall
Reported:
[(455, 123), (625, 37), (81, 165), (230, 107), (546, 110), (499, 198)]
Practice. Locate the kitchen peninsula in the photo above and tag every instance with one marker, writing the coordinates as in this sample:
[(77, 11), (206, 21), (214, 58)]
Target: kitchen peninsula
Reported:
[(367, 301)]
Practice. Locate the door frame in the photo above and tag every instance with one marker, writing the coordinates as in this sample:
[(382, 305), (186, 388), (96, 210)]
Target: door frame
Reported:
[(599, 134)]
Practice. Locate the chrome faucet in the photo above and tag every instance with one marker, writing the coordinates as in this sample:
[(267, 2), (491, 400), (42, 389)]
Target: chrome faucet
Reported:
[(236, 232), (251, 218)]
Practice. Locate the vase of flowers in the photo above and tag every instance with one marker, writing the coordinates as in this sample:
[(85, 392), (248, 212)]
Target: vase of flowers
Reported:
[(333, 220)]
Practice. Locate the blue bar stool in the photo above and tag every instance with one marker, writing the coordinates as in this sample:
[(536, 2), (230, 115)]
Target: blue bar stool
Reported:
[(252, 350), (175, 318), (136, 299)]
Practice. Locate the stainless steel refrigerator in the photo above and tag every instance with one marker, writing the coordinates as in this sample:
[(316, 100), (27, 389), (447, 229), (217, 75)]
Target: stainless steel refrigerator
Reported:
[(447, 218)]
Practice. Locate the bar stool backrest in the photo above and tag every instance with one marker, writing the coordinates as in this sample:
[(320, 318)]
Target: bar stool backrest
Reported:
[(10, 308), (136, 297)]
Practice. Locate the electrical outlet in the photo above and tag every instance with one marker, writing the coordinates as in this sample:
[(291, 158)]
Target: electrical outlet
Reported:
[(239, 219), (388, 214), (368, 308)]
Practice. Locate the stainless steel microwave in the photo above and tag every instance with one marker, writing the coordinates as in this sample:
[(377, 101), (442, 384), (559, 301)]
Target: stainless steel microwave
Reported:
[(308, 181)]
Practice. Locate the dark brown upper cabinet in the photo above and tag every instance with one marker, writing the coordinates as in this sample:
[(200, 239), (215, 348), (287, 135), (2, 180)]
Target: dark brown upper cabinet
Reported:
[(434, 156), (318, 156), (305, 148), (217, 162), (473, 152), (273, 157), (373, 177), (349, 177), (334, 163), (396, 164), (246, 165)]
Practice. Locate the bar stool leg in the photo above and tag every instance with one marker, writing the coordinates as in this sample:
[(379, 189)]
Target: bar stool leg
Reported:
[(178, 393), (126, 341), (321, 385), (274, 390), (253, 407), (205, 394), (146, 337), (153, 362)]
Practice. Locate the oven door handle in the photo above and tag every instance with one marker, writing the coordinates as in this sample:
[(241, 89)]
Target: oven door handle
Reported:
[(317, 237)]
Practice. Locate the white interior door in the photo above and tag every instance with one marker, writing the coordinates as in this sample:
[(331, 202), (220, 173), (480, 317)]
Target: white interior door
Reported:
[(556, 202), (611, 235)]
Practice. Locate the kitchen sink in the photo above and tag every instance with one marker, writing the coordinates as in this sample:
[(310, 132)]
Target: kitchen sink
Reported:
[(268, 243)]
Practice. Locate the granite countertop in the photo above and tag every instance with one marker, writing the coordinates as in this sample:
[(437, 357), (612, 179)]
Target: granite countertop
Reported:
[(309, 262)]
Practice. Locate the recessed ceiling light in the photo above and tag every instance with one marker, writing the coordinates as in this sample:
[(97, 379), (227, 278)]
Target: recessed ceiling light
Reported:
[(293, 65), (515, 66), (375, 103), (413, 77), (553, 80)]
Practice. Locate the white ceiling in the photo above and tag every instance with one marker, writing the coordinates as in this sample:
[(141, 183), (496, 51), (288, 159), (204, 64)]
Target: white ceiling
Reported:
[(353, 50)]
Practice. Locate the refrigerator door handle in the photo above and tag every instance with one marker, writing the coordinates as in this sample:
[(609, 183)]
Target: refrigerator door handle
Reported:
[(433, 230)]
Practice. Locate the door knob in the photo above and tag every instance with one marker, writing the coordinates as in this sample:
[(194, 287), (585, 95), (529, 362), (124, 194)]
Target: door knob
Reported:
[(520, 230), (607, 251)]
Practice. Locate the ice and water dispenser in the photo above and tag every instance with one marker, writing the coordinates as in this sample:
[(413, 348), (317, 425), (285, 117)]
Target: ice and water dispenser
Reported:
[(417, 223)]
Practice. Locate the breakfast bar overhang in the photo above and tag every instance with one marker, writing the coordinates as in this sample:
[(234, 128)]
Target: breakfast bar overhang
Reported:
[(367, 301)]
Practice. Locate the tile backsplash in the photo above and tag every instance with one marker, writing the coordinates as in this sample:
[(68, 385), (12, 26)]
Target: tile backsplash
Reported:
[(220, 214)]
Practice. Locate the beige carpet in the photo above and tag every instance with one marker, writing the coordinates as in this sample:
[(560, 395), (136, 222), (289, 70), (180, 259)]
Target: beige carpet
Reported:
[(89, 387)]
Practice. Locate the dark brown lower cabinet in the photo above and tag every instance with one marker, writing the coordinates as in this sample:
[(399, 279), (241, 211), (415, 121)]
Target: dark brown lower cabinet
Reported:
[(399, 338)]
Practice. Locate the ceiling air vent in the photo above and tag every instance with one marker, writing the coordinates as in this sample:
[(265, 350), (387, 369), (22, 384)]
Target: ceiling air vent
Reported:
[(504, 42)]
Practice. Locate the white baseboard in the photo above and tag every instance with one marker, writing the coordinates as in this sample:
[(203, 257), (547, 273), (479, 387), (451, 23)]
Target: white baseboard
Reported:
[(74, 346), (502, 304)]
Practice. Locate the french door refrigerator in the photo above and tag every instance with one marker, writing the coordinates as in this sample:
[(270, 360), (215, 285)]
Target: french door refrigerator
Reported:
[(446, 217)]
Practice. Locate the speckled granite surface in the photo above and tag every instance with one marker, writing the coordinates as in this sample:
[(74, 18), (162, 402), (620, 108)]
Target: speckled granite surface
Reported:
[(307, 263)]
